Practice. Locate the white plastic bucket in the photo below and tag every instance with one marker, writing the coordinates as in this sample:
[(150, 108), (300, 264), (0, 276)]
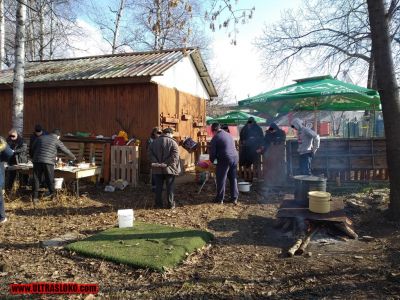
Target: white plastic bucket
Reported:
[(244, 186), (204, 157), (125, 218), (58, 183)]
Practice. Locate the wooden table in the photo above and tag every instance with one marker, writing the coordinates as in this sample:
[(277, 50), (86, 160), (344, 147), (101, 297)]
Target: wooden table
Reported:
[(72, 173)]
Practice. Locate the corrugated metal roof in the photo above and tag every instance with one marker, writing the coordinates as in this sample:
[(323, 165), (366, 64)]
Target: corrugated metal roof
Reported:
[(126, 65)]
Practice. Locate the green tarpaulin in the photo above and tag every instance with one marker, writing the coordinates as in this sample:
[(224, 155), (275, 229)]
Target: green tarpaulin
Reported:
[(235, 117), (315, 93)]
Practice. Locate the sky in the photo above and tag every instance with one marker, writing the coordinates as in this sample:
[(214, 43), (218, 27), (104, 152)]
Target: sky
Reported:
[(240, 64)]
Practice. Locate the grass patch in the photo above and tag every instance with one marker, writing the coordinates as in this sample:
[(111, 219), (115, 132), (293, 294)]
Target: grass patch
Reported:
[(145, 245)]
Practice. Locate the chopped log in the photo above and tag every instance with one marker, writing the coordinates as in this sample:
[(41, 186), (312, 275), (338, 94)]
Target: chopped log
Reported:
[(349, 222), (346, 229), (306, 241), (295, 247)]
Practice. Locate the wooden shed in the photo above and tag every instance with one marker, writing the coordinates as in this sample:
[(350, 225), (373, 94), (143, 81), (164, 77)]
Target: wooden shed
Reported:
[(104, 94)]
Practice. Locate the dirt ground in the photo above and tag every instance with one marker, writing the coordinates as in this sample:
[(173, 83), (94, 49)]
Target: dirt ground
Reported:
[(245, 261)]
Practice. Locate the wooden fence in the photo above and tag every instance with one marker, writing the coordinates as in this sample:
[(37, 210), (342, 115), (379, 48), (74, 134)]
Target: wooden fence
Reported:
[(125, 164), (341, 159), (345, 159)]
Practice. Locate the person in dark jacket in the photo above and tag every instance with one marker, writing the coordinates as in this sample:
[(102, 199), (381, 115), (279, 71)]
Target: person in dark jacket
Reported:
[(19, 147), (274, 162), (225, 127), (165, 165), (155, 133), (222, 149), (38, 131), (5, 154), (44, 150), (251, 137)]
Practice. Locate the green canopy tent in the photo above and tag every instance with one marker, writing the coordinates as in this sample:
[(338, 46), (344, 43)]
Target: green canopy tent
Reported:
[(313, 94), (209, 119), (235, 118)]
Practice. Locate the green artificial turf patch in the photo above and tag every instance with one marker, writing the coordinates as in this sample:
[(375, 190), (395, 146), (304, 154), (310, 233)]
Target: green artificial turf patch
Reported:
[(145, 245)]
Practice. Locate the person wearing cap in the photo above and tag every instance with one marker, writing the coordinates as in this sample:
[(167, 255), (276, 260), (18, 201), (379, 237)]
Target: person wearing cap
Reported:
[(223, 150), (251, 137), (225, 127), (5, 154), (165, 165), (45, 149), (308, 144), (19, 147), (38, 131)]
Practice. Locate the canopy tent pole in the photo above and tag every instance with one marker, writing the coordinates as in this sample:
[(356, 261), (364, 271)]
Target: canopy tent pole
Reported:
[(373, 122), (315, 118)]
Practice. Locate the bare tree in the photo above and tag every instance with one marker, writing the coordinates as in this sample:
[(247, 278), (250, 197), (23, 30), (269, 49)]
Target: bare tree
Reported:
[(389, 92), (2, 34), (223, 14), (165, 24), (221, 83), (19, 71), (330, 36), (111, 19), (50, 25)]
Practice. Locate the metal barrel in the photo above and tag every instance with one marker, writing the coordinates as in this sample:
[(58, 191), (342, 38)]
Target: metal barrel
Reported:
[(305, 184)]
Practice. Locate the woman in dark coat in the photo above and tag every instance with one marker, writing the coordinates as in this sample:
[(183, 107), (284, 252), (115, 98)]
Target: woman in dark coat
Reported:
[(274, 164), (20, 149), (251, 137)]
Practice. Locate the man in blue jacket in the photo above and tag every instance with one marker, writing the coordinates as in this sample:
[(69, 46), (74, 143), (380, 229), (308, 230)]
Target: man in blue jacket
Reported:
[(5, 155), (222, 149)]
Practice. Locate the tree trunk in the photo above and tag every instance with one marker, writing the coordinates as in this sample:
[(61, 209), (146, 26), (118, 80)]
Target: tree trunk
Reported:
[(388, 89), (157, 26), (2, 34), (117, 24), (371, 83), (41, 30), (19, 69)]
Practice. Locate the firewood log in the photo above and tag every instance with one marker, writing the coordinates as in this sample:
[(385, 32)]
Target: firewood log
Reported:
[(295, 247), (346, 229), (306, 241)]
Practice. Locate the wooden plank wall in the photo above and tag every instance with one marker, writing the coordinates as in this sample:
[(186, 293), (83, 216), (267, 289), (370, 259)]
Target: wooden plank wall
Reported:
[(98, 109), (180, 105), (89, 109), (345, 159)]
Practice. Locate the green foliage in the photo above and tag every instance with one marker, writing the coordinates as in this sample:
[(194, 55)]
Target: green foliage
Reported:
[(145, 245)]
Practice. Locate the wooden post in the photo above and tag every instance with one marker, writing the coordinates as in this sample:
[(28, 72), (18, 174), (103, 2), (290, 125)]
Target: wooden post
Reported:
[(106, 163)]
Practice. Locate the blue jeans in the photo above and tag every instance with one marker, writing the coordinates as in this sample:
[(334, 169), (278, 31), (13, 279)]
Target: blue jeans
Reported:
[(305, 163), (226, 169)]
